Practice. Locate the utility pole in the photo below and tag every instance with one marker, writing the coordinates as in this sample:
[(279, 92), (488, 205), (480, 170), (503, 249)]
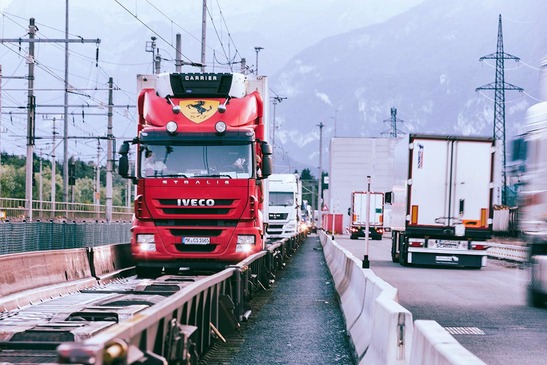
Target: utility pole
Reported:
[(31, 104), (320, 179), (31, 127), (499, 87), (53, 173), (97, 197), (257, 49), (40, 192), (276, 100), (335, 120), (178, 54), (109, 155), (392, 122), (203, 34)]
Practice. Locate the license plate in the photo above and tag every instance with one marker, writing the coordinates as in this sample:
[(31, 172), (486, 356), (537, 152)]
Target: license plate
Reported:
[(196, 240), (447, 244)]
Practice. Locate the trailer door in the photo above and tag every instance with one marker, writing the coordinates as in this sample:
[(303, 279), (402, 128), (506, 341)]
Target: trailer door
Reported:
[(428, 182), (450, 182), (471, 183)]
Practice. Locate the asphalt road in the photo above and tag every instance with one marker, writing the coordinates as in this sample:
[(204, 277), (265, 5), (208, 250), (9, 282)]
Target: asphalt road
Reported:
[(485, 310)]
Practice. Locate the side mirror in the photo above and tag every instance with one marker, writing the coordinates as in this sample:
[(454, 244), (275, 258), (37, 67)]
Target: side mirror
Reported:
[(388, 197), (349, 211), (123, 164), (267, 165), (266, 148)]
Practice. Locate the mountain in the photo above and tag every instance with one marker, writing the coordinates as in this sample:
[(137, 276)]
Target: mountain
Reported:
[(282, 27), (424, 62)]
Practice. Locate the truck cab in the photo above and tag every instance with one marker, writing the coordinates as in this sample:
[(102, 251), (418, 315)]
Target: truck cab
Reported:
[(284, 214)]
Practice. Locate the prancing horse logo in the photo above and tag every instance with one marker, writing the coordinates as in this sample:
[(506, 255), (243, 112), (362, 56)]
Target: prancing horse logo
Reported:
[(198, 110), (199, 107)]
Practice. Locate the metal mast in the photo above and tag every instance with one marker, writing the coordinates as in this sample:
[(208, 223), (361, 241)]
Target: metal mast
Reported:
[(319, 180), (499, 87), (392, 123), (203, 34)]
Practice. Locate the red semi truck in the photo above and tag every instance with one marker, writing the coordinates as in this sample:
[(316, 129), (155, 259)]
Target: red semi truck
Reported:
[(201, 161)]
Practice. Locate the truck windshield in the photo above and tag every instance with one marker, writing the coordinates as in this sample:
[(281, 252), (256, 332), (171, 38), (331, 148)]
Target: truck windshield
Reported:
[(223, 161), (281, 198)]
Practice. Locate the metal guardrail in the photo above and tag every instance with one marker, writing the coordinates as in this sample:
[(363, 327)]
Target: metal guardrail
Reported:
[(181, 329), (17, 237), (508, 252)]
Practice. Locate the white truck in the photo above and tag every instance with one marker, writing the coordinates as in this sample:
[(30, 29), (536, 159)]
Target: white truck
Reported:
[(358, 215), (285, 198), (447, 204), (533, 198)]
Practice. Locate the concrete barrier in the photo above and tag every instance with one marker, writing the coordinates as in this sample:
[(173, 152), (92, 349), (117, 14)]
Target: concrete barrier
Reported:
[(433, 345), (392, 329), (362, 331), (40, 274), (110, 261), (378, 326)]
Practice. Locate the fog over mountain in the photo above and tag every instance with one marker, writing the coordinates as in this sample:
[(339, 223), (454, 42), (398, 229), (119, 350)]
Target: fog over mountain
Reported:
[(334, 60), (424, 62), (282, 27)]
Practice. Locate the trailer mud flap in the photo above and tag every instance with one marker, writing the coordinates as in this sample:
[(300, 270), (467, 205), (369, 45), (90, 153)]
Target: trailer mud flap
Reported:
[(420, 258)]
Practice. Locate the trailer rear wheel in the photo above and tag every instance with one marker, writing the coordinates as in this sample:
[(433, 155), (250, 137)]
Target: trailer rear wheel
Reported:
[(403, 251), (394, 253)]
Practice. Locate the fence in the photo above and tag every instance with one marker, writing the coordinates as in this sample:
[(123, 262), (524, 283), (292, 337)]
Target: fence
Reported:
[(14, 209), (16, 237)]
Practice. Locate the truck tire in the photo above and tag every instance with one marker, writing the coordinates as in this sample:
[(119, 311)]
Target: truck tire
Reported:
[(403, 251), (535, 298), (394, 253)]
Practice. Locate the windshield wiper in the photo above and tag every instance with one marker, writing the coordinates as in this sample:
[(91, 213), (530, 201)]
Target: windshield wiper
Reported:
[(214, 175), (172, 175)]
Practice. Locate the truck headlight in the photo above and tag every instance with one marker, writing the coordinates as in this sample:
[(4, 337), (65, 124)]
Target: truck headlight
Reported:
[(245, 243), (146, 242)]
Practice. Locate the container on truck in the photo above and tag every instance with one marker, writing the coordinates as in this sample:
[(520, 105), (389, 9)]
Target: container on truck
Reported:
[(446, 206), (358, 215), (285, 199), (201, 157)]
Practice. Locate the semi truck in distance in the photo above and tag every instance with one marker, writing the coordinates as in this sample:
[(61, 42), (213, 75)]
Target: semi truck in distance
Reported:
[(285, 200), (358, 215), (532, 154), (443, 215), (201, 157)]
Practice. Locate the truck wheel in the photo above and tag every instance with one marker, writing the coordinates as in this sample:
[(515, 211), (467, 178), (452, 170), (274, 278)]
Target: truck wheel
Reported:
[(394, 253), (535, 299), (403, 254)]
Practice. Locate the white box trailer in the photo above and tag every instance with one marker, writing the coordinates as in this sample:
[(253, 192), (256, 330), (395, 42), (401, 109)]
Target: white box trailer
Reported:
[(448, 210), (358, 215)]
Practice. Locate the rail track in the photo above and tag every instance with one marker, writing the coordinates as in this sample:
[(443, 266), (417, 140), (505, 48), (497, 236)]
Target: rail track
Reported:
[(172, 318)]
